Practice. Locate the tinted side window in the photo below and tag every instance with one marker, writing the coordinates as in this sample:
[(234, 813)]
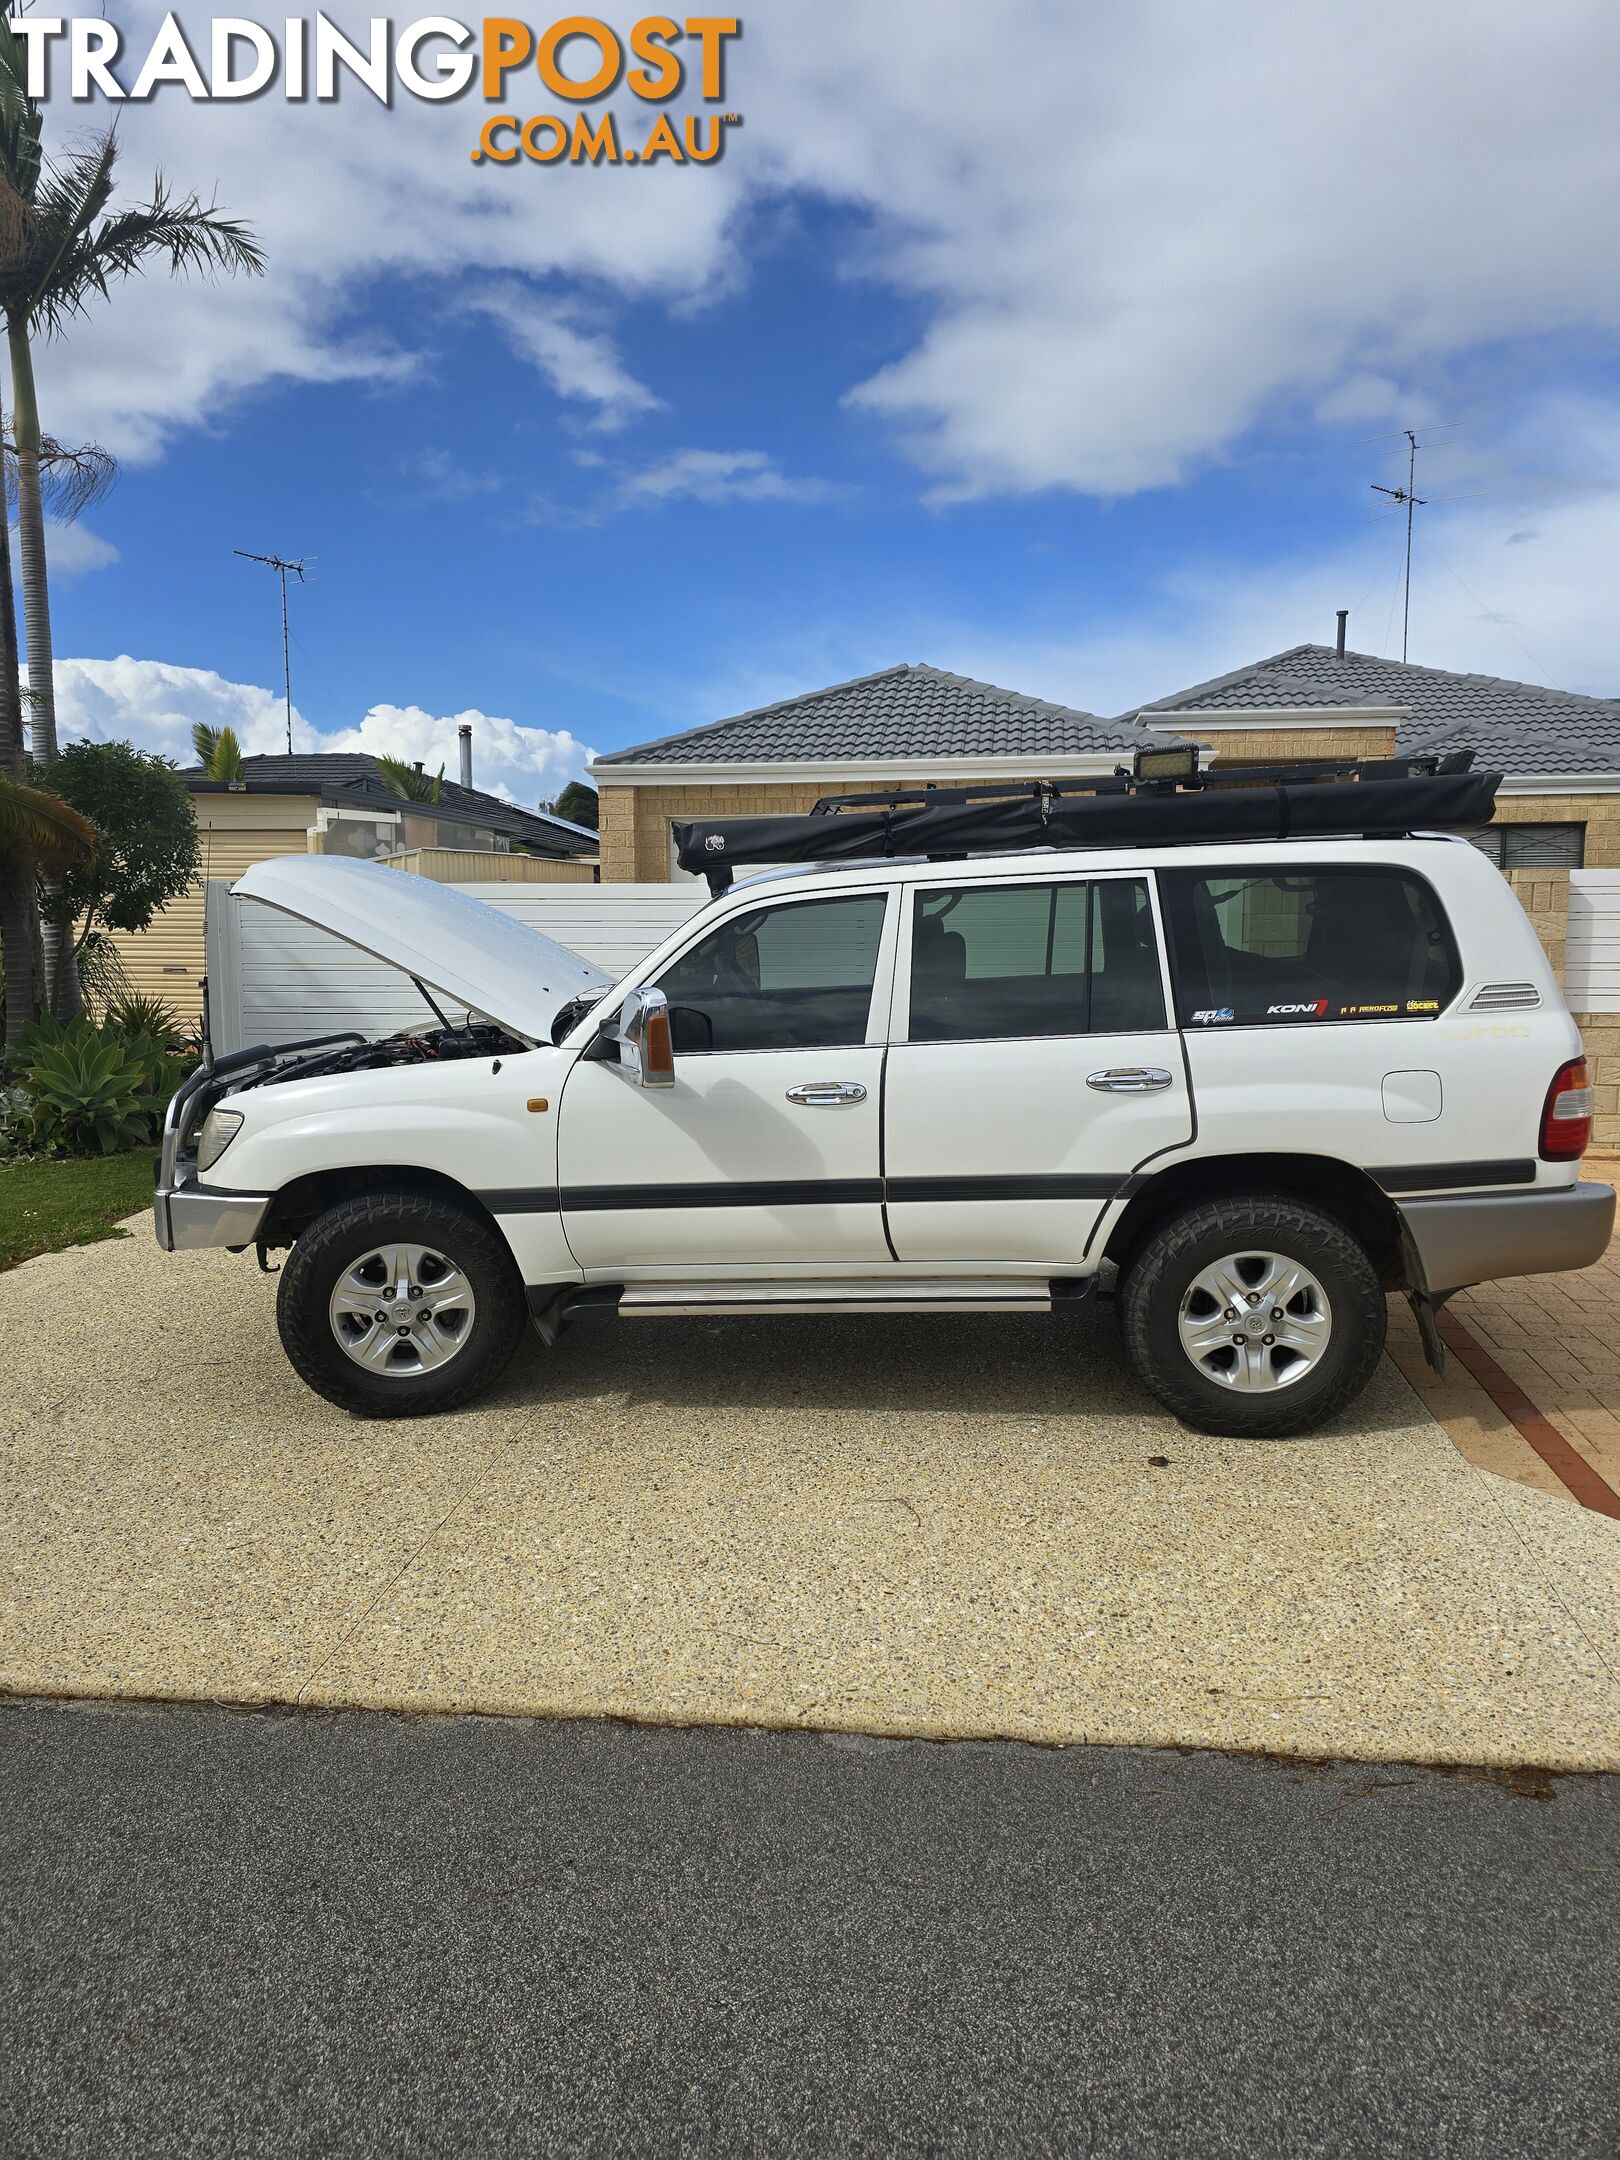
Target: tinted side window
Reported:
[(1284, 948), (793, 977), (998, 961)]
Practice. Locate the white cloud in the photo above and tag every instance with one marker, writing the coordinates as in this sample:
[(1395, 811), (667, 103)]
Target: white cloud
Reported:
[(72, 550), (1142, 228), (155, 704), (520, 762), (345, 198), (578, 362), (1129, 232), (719, 476)]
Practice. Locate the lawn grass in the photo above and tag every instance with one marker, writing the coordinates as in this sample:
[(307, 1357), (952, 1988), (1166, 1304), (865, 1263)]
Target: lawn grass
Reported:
[(45, 1206)]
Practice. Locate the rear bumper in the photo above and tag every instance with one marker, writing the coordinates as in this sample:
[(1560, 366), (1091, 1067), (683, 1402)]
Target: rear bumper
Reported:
[(186, 1216), (1478, 1237)]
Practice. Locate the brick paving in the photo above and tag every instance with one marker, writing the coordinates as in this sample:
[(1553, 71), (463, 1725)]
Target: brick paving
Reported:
[(1558, 1336)]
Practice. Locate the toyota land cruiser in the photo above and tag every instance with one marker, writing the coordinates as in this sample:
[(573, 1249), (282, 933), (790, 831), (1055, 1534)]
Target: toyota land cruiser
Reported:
[(1246, 1084)]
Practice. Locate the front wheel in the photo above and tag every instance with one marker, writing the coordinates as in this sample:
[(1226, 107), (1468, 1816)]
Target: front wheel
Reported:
[(1258, 1316), (399, 1305)]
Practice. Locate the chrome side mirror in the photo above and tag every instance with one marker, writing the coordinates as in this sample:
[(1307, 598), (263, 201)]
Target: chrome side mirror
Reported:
[(641, 1035)]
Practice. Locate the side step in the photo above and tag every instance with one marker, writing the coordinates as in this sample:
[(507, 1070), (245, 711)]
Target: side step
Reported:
[(686, 1300)]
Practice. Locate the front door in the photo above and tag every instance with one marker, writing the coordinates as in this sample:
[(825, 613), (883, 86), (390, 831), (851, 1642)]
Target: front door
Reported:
[(1034, 1067), (765, 1152)]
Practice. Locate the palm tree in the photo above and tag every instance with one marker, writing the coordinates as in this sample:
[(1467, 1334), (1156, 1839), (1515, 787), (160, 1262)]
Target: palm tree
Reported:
[(53, 832), (58, 254), (219, 753), (39, 834), (410, 781), (73, 479)]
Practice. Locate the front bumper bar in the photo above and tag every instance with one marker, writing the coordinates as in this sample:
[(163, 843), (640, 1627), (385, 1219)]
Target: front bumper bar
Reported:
[(187, 1216), (1480, 1237)]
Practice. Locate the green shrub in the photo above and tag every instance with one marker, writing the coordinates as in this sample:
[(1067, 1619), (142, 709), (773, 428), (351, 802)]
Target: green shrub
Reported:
[(50, 1047), (135, 1013), (16, 1121), (90, 1092)]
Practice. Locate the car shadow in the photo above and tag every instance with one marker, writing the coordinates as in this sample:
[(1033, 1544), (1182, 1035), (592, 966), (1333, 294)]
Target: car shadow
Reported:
[(966, 1365)]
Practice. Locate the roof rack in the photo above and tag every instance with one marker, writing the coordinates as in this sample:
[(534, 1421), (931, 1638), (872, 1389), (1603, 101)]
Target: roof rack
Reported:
[(1163, 800)]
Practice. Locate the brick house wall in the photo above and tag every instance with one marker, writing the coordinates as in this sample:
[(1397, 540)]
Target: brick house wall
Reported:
[(1544, 896), (1273, 745)]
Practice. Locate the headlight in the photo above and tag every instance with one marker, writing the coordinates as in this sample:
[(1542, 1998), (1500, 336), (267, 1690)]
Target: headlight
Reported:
[(219, 1130)]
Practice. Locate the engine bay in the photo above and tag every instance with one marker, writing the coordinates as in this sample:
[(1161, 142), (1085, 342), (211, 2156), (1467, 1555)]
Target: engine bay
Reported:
[(444, 1045)]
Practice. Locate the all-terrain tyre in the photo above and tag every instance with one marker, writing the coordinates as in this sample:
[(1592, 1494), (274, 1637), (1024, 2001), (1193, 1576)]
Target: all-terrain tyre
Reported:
[(1203, 1333), (400, 1305)]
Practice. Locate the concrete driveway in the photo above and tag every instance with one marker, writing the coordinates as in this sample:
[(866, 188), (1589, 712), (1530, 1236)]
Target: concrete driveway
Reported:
[(938, 1528)]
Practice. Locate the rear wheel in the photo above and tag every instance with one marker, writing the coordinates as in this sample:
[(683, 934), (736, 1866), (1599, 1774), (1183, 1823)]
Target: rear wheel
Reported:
[(1259, 1316), (399, 1306)]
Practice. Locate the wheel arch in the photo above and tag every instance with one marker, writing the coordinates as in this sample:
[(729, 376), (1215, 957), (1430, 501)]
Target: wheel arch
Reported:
[(1338, 1188), (298, 1203)]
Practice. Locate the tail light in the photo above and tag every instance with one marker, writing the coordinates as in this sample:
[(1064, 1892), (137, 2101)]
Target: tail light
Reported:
[(1566, 1119)]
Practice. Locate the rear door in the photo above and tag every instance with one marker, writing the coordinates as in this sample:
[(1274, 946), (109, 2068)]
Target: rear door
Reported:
[(1314, 999), (1033, 1066)]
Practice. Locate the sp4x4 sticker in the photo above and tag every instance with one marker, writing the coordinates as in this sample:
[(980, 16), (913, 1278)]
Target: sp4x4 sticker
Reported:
[(1216, 1013)]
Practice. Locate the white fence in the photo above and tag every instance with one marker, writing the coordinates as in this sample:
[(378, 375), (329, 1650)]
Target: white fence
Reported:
[(273, 979), (1592, 954)]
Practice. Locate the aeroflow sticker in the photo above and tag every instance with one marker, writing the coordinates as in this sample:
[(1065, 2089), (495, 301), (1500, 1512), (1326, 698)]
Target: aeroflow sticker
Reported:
[(1367, 1012), (1219, 1012)]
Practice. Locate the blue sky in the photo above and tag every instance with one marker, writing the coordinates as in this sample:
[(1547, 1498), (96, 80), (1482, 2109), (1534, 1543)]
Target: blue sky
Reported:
[(1040, 345)]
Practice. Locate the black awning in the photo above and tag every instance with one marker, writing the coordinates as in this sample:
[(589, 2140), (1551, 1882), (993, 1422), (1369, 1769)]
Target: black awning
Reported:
[(1065, 816)]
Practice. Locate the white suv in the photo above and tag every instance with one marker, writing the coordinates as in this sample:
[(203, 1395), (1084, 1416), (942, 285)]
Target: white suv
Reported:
[(1249, 1086)]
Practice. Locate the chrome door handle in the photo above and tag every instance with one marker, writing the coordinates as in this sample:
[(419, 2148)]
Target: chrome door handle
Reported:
[(826, 1094), (1130, 1079)]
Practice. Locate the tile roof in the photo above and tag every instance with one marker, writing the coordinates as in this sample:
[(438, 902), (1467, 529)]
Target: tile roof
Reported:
[(1520, 727), (342, 775), (900, 712)]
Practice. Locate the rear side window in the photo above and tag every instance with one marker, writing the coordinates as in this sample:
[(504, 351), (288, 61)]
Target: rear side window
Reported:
[(1285, 948), (994, 962), (797, 977)]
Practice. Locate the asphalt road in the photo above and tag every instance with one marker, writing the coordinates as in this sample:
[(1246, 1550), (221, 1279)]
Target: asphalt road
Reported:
[(240, 1934)]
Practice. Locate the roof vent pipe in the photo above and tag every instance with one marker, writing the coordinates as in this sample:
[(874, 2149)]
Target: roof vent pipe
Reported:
[(1344, 619), (465, 733)]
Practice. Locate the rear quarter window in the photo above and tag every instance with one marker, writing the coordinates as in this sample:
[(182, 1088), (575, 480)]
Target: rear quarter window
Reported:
[(1307, 947)]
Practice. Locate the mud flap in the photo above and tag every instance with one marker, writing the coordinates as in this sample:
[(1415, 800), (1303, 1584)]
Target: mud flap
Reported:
[(553, 1309), (1425, 1304)]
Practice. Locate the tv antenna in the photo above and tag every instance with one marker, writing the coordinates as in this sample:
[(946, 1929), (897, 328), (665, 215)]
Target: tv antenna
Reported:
[(281, 568), (1403, 496)]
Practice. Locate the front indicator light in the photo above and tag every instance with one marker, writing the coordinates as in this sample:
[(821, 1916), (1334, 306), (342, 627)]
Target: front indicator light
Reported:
[(220, 1128)]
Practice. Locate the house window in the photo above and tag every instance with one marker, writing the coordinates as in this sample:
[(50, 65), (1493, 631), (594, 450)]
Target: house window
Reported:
[(1533, 847), (473, 837), (341, 833)]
